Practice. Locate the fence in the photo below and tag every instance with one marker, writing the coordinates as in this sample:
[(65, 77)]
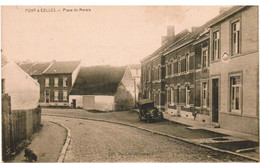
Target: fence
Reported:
[(17, 125)]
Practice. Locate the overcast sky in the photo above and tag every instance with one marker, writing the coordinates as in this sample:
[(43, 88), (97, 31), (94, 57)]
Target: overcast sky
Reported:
[(104, 35)]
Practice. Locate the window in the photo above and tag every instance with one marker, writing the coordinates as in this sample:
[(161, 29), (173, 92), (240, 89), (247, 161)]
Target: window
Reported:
[(159, 72), (168, 95), (187, 95), (187, 62), (168, 69), (3, 86), (178, 94), (159, 98), (235, 42), (204, 94), (47, 82), (65, 82), (65, 95), (172, 96), (56, 95), (204, 57), (235, 88), (179, 66), (172, 66), (216, 52), (56, 82), (149, 94)]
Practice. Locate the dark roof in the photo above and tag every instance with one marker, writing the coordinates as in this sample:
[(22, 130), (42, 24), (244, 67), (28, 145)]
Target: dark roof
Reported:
[(98, 80), (62, 67), (35, 68)]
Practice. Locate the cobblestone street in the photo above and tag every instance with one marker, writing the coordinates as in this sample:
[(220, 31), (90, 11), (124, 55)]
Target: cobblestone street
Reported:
[(102, 141)]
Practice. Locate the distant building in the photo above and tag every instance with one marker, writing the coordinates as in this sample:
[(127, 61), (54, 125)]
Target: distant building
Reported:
[(136, 73), (103, 88), (20, 86), (56, 80)]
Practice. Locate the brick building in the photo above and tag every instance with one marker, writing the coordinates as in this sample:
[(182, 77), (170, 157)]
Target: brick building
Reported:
[(211, 73), (56, 80)]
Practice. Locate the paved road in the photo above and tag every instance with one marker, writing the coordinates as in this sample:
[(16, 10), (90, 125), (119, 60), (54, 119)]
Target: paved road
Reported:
[(100, 141)]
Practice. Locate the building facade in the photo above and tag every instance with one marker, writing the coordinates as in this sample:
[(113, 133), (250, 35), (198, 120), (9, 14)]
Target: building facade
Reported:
[(56, 80), (210, 74)]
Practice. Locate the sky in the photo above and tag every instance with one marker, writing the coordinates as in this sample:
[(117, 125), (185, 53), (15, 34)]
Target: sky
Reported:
[(96, 35)]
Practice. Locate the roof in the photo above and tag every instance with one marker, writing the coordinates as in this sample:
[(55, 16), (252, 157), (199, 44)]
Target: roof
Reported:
[(35, 68), (98, 80), (166, 45), (65, 67)]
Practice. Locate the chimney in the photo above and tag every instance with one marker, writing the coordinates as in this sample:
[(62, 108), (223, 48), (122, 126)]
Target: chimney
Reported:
[(223, 9), (164, 39), (170, 32)]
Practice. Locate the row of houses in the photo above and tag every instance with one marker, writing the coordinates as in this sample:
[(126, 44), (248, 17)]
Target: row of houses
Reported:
[(211, 73), (68, 84)]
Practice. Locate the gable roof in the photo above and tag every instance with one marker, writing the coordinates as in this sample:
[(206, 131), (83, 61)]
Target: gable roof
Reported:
[(98, 80), (35, 68), (64, 67)]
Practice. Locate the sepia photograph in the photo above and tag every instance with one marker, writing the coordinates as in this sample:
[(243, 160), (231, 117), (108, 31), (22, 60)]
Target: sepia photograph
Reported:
[(162, 83)]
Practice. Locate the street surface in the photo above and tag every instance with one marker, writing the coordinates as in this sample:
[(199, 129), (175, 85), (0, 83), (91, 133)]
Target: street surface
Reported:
[(93, 141)]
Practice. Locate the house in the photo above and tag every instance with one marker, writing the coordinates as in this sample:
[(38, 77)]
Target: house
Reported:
[(103, 88), (20, 86), (210, 74), (136, 74), (234, 71), (56, 80)]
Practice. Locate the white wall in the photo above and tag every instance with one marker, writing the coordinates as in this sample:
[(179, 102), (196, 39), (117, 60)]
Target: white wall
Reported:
[(78, 98), (75, 74), (23, 89)]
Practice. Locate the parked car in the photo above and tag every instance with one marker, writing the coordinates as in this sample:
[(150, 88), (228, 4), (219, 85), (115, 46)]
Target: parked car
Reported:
[(147, 111)]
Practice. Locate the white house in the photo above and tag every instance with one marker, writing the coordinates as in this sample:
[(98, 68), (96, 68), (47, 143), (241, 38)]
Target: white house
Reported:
[(21, 87)]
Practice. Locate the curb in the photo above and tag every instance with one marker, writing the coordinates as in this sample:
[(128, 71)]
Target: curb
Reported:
[(66, 145), (162, 134)]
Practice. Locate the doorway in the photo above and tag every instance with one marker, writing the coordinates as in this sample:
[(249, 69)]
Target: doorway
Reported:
[(47, 96), (215, 99), (74, 103)]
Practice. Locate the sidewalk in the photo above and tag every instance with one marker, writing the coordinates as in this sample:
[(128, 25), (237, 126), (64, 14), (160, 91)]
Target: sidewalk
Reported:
[(46, 143)]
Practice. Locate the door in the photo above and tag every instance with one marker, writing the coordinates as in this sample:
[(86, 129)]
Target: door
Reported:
[(47, 96), (74, 103), (215, 99)]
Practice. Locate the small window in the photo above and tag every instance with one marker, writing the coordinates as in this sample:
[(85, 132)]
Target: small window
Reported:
[(172, 96), (47, 82), (65, 95), (178, 94), (204, 57), (56, 82), (56, 95), (204, 94), (179, 66), (172, 66), (216, 52), (65, 82), (187, 62), (235, 92), (168, 95), (235, 42), (187, 95), (159, 72)]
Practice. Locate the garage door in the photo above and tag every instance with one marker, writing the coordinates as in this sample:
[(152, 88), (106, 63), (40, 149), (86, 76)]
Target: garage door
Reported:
[(88, 102)]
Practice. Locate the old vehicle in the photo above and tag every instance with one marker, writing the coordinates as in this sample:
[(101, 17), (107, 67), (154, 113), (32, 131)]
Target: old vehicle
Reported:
[(147, 111)]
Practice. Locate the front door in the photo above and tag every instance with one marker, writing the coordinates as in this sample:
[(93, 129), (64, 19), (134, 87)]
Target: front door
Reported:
[(47, 96), (74, 103), (215, 100)]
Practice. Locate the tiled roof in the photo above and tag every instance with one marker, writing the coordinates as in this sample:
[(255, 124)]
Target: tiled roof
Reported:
[(62, 67), (35, 68), (98, 80)]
